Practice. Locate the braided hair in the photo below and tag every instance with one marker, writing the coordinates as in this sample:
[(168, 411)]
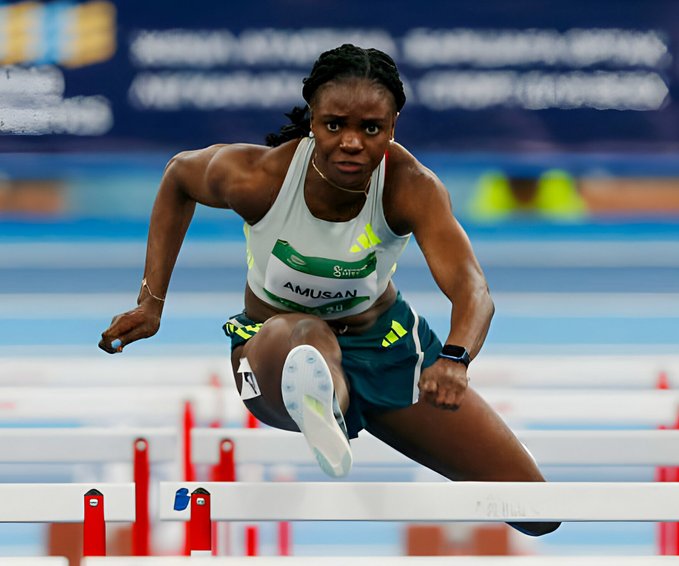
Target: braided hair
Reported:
[(342, 62)]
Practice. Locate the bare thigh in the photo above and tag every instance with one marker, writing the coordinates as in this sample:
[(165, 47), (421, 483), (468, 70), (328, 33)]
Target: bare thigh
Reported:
[(266, 352), (470, 444)]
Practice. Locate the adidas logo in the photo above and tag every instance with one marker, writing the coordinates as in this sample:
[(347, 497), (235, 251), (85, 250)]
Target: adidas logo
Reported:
[(366, 240), (397, 331)]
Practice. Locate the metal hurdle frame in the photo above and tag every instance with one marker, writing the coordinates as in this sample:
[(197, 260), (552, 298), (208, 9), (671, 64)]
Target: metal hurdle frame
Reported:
[(91, 504), (139, 446), (412, 502), (227, 446)]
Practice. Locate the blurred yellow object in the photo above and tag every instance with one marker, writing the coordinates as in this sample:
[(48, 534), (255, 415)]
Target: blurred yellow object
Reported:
[(72, 35), (552, 195)]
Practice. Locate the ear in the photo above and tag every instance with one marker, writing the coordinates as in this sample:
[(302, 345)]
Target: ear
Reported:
[(393, 126)]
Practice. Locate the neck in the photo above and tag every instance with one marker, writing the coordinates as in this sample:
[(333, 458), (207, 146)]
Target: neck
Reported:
[(363, 191)]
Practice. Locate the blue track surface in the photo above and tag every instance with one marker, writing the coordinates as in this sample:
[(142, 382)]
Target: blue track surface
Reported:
[(63, 303)]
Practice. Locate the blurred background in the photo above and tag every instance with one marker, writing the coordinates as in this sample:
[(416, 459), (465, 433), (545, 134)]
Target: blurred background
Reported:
[(555, 127)]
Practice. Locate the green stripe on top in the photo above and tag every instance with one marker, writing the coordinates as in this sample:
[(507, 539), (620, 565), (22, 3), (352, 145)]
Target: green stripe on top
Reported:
[(323, 267)]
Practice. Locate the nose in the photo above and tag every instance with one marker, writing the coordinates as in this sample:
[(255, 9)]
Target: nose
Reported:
[(351, 142)]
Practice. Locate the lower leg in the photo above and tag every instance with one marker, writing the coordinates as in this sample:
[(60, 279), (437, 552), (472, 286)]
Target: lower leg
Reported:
[(296, 365), (471, 444)]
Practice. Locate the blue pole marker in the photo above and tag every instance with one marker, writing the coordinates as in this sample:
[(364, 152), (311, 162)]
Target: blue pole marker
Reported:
[(181, 499)]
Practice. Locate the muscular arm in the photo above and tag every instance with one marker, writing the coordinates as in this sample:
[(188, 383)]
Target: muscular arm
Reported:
[(426, 211), (217, 176), (456, 270)]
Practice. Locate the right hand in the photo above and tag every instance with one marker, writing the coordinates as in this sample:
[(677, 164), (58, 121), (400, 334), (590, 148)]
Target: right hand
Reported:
[(130, 326)]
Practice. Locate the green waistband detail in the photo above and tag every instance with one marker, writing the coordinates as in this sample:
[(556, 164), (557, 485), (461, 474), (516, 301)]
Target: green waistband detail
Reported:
[(334, 307)]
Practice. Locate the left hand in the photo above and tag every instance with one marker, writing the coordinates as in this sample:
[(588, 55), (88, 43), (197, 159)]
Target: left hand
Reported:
[(444, 384)]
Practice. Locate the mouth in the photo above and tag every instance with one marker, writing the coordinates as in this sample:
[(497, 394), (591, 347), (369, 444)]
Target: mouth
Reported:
[(349, 167)]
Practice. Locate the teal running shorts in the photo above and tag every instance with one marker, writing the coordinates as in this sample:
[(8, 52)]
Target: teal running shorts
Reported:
[(382, 365)]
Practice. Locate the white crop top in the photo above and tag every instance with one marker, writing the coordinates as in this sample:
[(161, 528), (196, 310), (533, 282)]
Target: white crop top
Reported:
[(297, 262)]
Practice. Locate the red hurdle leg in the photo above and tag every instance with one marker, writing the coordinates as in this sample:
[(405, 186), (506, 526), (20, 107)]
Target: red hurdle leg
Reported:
[(200, 525), (94, 527), (189, 470), (141, 529)]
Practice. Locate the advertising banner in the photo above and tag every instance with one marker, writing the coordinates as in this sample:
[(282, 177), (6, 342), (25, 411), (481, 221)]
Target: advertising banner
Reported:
[(98, 75)]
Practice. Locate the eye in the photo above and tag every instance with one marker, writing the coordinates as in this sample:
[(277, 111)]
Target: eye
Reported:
[(333, 126), (372, 130)]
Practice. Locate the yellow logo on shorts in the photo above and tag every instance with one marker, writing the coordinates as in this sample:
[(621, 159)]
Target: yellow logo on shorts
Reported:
[(397, 332)]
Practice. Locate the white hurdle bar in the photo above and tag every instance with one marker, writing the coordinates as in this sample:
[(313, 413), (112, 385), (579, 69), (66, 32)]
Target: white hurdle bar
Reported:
[(85, 445), (146, 405), (137, 405), (116, 371), (34, 561), (593, 406), (201, 504), (530, 371), (425, 501), (557, 448), (574, 372), (389, 561), (91, 504), (139, 446), (63, 502)]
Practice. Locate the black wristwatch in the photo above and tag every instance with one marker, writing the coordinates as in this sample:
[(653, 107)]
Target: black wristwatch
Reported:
[(456, 353)]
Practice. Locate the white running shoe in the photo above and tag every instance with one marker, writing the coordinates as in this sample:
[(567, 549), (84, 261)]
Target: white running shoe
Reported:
[(309, 398)]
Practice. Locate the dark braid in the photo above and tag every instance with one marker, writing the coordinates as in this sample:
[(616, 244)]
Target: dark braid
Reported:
[(342, 62), (299, 127), (351, 61)]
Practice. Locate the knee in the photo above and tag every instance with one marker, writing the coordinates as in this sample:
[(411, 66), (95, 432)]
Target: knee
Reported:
[(535, 529), (307, 330), (297, 327)]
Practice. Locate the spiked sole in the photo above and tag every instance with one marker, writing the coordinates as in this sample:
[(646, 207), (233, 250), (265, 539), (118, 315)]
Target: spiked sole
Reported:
[(309, 397)]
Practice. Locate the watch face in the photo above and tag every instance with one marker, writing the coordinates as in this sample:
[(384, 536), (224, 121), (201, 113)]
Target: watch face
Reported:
[(455, 351)]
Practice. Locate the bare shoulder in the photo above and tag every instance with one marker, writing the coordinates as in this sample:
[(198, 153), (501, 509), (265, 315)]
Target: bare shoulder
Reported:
[(412, 191), (243, 177)]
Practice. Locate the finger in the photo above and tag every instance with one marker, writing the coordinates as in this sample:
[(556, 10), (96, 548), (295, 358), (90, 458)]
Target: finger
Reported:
[(111, 346), (427, 385), (428, 397), (450, 398)]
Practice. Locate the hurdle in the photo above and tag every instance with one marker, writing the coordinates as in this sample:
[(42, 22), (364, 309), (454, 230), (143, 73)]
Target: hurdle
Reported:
[(150, 405), (391, 560), (201, 504), (139, 446), (85, 445), (121, 371), (594, 406), (144, 405), (91, 504), (536, 371), (574, 372), (34, 561), (227, 447)]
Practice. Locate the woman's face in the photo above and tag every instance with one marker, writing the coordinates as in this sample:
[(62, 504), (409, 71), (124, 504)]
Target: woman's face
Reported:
[(352, 120)]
